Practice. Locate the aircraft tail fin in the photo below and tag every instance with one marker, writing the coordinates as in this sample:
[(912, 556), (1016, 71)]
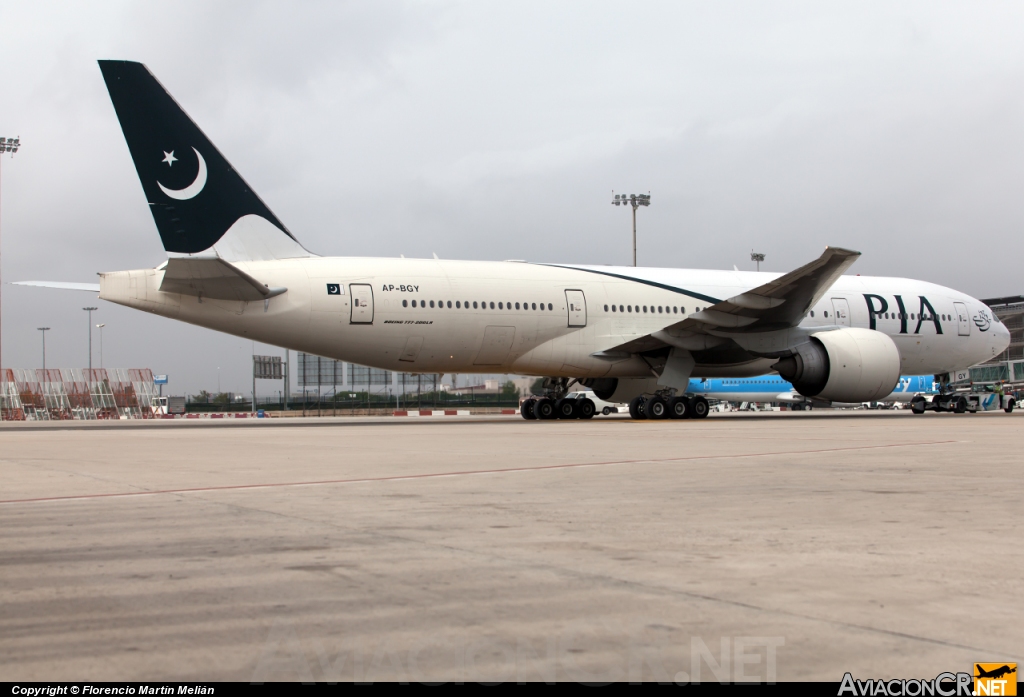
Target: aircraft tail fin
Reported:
[(199, 202)]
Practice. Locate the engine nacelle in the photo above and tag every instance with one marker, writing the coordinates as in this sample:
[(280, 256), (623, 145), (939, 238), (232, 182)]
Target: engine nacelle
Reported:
[(620, 390), (844, 365)]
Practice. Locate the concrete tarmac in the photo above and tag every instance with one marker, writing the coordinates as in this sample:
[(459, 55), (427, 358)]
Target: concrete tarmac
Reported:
[(788, 546)]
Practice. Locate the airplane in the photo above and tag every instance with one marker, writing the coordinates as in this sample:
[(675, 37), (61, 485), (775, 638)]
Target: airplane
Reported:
[(996, 672), (773, 388), (634, 335)]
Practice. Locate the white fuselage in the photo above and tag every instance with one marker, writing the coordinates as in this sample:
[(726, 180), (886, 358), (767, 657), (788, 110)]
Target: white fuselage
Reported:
[(480, 316)]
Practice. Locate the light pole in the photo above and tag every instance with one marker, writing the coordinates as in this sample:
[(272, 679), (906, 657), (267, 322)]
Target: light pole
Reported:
[(90, 310), (758, 257), (10, 145), (100, 327), (44, 330), (635, 200)]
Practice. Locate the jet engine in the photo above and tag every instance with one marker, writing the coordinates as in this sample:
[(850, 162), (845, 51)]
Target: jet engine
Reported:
[(843, 365)]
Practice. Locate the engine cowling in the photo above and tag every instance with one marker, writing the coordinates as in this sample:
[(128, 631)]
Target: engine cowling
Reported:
[(843, 365)]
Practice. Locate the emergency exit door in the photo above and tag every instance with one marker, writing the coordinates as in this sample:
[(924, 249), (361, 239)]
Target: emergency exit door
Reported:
[(841, 310), (577, 307), (362, 303)]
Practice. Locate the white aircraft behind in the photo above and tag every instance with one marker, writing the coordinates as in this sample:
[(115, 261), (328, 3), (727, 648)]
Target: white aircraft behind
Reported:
[(626, 332)]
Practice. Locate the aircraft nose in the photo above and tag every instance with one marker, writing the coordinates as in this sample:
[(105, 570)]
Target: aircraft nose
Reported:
[(1001, 337)]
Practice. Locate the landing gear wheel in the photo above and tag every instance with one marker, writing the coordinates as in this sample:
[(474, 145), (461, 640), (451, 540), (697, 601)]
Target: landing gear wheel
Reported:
[(636, 408), (699, 407), (679, 408), (544, 409), (565, 408), (656, 408), (917, 405), (1010, 404), (526, 409), (585, 409), (960, 406)]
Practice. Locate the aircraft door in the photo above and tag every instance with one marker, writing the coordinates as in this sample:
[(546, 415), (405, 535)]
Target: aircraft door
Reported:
[(841, 310), (963, 319), (362, 303), (577, 305)]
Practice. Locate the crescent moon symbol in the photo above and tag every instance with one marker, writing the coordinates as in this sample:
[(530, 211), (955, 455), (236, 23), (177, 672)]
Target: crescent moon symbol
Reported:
[(193, 189)]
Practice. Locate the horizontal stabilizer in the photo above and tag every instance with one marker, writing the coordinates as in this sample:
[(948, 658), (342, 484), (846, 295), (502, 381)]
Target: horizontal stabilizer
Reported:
[(212, 277), (61, 285)]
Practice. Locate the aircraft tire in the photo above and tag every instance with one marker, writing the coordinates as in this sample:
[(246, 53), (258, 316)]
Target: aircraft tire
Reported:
[(679, 408), (636, 408), (656, 408), (585, 409), (566, 409), (544, 409), (699, 408), (526, 409)]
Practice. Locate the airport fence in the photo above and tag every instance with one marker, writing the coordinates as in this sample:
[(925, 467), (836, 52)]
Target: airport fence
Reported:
[(347, 402)]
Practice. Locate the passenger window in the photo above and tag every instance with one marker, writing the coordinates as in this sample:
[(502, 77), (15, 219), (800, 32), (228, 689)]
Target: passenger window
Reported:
[(825, 313), (606, 308), (492, 306), (645, 308), (629, 308), (675, 310), (449, 304), (517, 306), (431, 303), (405, 303), (474, 304), (500, 306), (614, 308), (414, 303), (659, 309), (533, 306), (621, 309)]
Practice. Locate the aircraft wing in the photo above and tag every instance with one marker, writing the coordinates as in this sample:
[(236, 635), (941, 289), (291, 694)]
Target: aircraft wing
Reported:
[(212, 277), (778, 304)]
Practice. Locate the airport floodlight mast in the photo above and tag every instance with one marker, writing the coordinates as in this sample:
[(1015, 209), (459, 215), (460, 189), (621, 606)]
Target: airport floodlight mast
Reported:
[(758, 257), (90, 311), (635, 200), (10, 145), (100, 327), (44, 330)]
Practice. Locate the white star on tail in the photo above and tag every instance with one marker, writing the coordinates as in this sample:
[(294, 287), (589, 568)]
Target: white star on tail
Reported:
[(169, 158)]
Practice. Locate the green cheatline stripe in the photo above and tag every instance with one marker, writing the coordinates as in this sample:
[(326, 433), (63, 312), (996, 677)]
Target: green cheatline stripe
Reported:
[(683, 291)]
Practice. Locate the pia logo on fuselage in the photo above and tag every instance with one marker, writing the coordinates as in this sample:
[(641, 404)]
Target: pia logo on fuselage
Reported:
[(982, 320)]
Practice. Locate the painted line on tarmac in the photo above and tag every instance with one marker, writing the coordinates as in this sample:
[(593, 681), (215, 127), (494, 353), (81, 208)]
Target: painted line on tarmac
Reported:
[(437, 475)]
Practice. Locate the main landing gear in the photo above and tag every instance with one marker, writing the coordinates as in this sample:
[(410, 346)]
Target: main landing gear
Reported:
[(557, 403), (546, 408), (661, 407)]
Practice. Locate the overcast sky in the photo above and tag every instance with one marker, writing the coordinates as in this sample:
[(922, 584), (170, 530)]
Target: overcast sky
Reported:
[(491, 130)]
